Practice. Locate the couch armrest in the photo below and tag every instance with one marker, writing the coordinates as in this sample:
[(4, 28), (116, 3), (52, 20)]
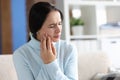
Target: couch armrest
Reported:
[(91, 63), (7, 69)]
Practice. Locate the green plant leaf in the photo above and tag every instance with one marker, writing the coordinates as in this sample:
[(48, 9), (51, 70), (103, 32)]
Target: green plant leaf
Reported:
[(74, 22)]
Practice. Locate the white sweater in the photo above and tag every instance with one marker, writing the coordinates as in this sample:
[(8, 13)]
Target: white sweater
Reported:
[(29, 65)]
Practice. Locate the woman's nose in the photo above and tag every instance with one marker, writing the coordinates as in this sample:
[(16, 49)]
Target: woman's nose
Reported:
[(58, 29)]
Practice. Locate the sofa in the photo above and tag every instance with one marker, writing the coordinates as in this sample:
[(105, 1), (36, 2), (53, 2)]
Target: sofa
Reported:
[(92, 63), (7, 69), (89, 64)]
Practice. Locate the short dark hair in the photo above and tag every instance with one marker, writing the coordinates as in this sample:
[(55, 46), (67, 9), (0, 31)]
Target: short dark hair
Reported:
[(38, 14)]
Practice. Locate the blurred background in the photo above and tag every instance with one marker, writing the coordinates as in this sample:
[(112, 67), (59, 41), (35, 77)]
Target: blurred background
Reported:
[(97, 24), (13, 23)]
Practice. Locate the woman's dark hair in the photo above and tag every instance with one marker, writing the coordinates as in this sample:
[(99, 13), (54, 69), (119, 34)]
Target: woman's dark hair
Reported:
[(38, 14)]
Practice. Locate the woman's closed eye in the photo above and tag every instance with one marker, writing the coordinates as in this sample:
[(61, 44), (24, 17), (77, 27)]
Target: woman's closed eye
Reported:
[(60, 23), (52, 25)]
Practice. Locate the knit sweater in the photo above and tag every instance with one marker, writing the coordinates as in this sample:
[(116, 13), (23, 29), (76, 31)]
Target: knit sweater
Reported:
[(29, 65)]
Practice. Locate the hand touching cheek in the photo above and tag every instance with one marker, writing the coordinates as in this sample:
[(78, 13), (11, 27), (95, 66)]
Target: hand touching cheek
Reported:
[(48, 51)]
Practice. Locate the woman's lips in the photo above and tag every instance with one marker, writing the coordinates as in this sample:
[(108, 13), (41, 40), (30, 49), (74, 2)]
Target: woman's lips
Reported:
[(57, 36)]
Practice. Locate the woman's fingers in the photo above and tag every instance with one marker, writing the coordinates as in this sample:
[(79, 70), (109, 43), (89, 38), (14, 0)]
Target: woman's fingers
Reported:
[(43, 43), (50, 46), (53, 49), (48, 52), (48, 43)]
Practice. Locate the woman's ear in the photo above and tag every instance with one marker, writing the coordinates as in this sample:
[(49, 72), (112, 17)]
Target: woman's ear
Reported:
[(38, 36)]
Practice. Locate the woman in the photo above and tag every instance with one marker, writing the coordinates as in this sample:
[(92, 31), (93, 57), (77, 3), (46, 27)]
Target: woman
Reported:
[(45, 56)]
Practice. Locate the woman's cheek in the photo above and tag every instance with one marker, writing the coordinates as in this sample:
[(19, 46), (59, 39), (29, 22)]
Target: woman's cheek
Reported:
[(51, 36), (49, 33)]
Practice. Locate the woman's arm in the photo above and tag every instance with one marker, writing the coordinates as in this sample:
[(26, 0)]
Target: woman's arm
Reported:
[(47, 71), (24, 71), (70, 69), (48, 54)]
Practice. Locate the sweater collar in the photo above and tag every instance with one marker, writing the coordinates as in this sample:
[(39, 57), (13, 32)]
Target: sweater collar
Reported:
[(34, 42)]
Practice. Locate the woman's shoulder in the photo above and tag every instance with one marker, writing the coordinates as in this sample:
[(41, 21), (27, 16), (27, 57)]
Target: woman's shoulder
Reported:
[(64, 43), (68, 47), (22, 49)]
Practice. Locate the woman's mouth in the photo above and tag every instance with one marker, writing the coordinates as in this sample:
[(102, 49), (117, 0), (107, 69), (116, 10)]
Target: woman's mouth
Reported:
[(57, 36)]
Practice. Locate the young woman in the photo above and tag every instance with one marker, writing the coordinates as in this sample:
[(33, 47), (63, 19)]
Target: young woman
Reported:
[(45, 56)]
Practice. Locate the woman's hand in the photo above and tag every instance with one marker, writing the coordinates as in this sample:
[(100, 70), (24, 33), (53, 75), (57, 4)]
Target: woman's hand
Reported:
[(48, 51)]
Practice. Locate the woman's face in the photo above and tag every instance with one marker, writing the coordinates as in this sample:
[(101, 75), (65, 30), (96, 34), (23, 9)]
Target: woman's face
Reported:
[(52, 26)]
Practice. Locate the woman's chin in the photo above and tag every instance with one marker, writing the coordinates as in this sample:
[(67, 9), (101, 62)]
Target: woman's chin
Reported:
[(55, 40)]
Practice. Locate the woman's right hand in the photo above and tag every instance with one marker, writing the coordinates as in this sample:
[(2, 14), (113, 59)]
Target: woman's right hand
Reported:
[(48, 51)]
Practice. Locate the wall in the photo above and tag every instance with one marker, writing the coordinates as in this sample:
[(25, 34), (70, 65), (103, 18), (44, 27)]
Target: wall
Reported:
[(13, 23), (0, 31), (19, 30), (6, 37)]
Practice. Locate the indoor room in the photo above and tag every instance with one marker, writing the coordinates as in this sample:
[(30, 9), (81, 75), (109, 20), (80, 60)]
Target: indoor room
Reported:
[(91, 26)]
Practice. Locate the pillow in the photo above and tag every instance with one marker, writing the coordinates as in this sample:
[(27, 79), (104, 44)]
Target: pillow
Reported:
[(7, 69), (117, 77), (90, 63), (108, 76), (4, 72), (98, 76)]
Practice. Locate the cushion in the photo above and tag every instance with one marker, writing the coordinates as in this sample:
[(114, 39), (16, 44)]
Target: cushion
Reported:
[(7, 69), (107, 76), (91, 63)]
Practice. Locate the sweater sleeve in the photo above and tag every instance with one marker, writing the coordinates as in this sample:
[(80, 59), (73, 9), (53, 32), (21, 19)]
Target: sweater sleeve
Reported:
[(23, 70), (21, 67)]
